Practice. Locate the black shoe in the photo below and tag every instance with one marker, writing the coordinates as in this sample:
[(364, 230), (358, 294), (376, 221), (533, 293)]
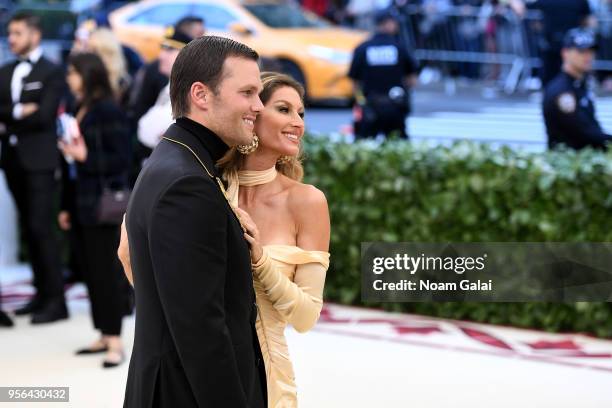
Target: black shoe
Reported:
[(51, 311), (5, 320), (88, 351), (32, 306), (114, 363)]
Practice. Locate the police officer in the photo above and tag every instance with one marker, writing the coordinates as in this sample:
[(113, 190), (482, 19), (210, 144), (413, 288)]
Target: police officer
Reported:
[(383, 73), (568, 107)]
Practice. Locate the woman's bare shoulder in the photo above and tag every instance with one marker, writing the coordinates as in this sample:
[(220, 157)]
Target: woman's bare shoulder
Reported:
[(305, 197), (308, 207)]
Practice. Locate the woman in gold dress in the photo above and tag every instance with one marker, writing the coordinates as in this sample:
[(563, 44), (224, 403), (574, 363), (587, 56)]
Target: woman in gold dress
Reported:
[(287, 224)]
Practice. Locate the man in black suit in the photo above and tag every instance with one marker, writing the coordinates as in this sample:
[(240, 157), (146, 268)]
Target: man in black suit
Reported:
[(30, 91), (195, 343)]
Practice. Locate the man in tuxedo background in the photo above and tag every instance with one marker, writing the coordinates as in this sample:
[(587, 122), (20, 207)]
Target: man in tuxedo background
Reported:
[(195, 343), (30, 92)]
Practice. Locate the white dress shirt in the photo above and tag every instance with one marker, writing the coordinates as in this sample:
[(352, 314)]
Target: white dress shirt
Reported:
[(21, 71), (155, 122)]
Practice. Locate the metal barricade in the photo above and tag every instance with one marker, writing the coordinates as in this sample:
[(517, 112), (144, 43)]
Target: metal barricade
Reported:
[(604, 42), (487, 42), (476, 42)]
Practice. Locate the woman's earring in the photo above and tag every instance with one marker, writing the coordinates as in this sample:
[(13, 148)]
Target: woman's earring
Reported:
[(250, 148), (283, 160)]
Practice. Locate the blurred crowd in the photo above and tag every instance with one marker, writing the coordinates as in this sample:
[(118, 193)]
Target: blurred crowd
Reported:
[(463, 36), (361, 13), (71, 132)]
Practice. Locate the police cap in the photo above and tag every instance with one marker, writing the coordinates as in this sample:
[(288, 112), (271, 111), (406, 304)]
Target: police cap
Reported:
[(175, 39), (385, 14), (580, 38)]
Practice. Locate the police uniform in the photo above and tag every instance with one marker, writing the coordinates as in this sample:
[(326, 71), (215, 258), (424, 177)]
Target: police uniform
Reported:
[(569, 110), (380, 65)]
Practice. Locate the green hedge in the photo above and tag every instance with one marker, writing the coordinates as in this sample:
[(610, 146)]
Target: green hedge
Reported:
[(468, 192)]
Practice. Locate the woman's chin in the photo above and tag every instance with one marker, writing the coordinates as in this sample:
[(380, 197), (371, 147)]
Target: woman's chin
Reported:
[(288, 152), (291, 149)]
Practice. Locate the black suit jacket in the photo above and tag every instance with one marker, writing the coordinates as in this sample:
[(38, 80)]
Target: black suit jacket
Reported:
[(37, 133), (195, 343)]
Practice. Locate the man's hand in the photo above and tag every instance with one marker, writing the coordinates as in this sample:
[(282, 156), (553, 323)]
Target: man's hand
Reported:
[(359, 96), (124, 253), (28, 109), (411, 80), (63, 219)]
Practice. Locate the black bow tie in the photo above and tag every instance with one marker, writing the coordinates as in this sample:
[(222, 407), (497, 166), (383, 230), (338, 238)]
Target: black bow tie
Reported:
[(29, 61)]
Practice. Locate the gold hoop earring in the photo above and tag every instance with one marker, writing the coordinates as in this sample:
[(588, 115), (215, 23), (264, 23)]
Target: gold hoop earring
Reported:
[(250, 148), (283, 160)]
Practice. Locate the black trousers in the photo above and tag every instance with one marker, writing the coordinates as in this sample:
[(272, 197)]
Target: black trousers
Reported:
[(35, 194), (104, 278), (386, 118)]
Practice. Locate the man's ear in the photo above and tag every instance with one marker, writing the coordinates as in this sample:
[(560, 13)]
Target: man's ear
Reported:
[(36, 36), (200, 95), (565, 52)]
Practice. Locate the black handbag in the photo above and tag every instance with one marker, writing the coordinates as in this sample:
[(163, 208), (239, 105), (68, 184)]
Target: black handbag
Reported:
[(112, 205), (113, 202)]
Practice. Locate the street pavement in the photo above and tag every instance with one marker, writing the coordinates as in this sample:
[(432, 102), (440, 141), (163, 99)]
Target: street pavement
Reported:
[(438, 118)]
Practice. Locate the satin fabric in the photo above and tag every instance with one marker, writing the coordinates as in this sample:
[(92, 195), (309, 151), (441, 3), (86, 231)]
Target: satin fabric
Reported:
[(288, 283)]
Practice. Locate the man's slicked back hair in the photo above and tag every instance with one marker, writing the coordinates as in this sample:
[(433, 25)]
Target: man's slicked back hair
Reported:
[(202, 61), (30, 20)]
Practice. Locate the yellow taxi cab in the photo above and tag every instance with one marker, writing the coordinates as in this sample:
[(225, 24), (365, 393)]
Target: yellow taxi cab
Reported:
[(307, 47)]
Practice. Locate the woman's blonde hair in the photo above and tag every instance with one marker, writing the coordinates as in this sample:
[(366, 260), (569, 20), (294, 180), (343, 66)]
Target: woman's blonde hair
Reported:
[(104, 43), (233, 160)]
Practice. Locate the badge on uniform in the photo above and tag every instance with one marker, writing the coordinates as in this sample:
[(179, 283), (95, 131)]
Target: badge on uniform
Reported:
[(566, 102), (382, 55), (32, 86)]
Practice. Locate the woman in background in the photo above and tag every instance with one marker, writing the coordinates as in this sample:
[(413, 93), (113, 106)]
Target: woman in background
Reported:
[(102, 159), (104, 43)]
